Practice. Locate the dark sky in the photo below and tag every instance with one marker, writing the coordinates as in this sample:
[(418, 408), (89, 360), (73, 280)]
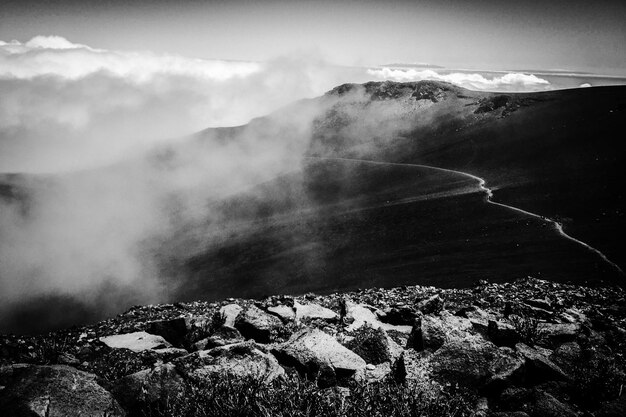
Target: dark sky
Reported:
[(552, 34)]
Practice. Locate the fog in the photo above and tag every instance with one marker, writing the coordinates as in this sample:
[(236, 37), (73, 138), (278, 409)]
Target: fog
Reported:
[(110, 170)]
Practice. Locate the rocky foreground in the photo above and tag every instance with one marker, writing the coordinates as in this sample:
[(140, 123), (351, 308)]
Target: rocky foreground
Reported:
[(527, 348)]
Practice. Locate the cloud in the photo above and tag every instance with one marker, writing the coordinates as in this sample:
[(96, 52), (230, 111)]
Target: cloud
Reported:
[(474, 81), (69, 106)]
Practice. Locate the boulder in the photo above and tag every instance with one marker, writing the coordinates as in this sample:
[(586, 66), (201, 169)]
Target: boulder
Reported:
[(318, 355), (502, 334), (431, 332), (360, 315), (545, 405), (539, 367), (53, 391), (314, 312), (431, 305), (254, 323), (240, 360), (616, 408), (567, 356), (136, 341), (173, 330), (555, 334), (285, 313), (372, 345), (414, 367), (399, 316), (225, 335), (507, 367), (230, 313), (148, 387), (465, 361)]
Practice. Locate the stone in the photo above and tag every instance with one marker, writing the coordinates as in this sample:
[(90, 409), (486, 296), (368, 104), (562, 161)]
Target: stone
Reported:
[(430, 305), (539, 367), (616, 408), (313, 311), (53, 391), (555, 334), (240, 360), (431, 332), (359, 315), (313, 352), (173, 330), (148, 386), (285, 313), (371, 344), (136, 341), (567, 356), (399, 316), (506, 368), (230, 313), (225, 335), (502, 334), (254, 323), (465, 361), (545, 405)]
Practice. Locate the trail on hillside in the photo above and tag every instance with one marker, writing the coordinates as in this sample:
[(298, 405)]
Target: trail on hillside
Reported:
[(489, 199)]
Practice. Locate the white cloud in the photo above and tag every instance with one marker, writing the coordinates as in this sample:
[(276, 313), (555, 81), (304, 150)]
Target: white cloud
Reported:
[(474, 81), (67, 106), (56, 56)]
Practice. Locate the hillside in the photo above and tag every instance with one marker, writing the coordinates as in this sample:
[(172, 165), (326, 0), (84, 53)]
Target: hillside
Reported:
[(525, 348), (373, 185)]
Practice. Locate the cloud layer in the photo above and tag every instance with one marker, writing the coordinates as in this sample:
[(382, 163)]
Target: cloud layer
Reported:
[(473, 81)]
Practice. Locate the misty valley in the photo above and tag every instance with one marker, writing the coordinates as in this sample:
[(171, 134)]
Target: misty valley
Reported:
[(373, 185)]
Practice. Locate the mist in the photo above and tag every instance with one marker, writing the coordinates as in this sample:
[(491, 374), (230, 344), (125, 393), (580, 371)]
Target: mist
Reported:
[(107, 167)]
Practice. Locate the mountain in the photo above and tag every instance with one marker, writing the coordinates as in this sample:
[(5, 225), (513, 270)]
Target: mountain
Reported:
[(374, 185)]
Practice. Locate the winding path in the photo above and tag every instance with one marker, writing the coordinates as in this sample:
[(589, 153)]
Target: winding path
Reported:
[(482, 185)]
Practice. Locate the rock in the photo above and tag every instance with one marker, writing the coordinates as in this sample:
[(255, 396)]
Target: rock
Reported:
[(479, 319), (377, 372), (567, 356), (414, 367), (371, 344), (399, 316), (313, 352), (359, 315), (502, 334), (53, 391), (67, 359), (431, 332), (240, 360), (539, 367), (431, 305), (173, 330), (230, 313), (545, 405), (254, 323), (506, 368), (472, 361), (148, 386), (555, 334), (542, 303), (509, 414), (616, 408), (223, 336), (285, 313), (516, 399), (314, 312), (137, 341)]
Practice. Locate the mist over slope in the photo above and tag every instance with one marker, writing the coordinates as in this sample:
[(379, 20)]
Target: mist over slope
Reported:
[(291, 203)]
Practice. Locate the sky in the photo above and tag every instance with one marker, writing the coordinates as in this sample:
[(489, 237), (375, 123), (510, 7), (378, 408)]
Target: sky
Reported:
[(574, 35)]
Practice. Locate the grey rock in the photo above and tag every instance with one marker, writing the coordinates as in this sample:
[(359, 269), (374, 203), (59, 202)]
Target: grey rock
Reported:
[(240, 360), (53, 391), (148, 386), (136, 341), (254, 323), (314, 353), (539, 367)]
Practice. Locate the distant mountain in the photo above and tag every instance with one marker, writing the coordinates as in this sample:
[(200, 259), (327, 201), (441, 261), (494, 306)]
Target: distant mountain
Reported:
[(415, 65)]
